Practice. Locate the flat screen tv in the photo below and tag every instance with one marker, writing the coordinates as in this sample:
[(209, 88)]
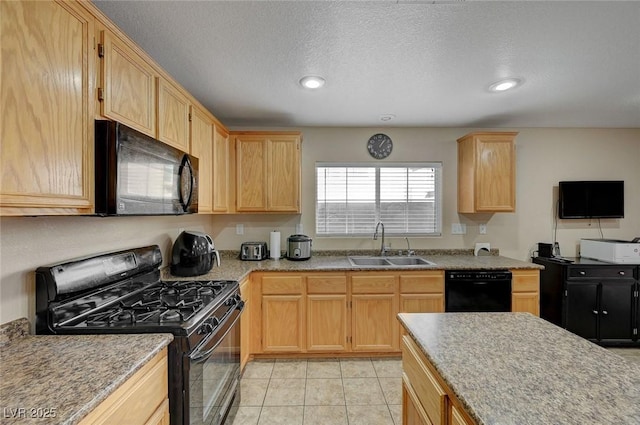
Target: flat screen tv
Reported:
[(591, 199)]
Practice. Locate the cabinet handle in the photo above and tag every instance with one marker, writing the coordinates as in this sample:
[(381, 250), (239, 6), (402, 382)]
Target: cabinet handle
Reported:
[(594, 311), (604, 312), (582, 273), (621, 273)]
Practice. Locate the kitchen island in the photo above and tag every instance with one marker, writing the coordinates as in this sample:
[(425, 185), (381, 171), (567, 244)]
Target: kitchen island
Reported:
[(512, 368)]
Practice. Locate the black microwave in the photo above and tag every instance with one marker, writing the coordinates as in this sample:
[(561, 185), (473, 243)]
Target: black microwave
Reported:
[(138, 175)]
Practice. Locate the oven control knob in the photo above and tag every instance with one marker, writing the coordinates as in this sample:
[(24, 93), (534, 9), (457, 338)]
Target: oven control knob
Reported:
[(208, 326)]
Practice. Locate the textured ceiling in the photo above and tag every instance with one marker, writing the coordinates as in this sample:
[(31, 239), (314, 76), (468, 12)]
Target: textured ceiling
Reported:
[(428, 64)]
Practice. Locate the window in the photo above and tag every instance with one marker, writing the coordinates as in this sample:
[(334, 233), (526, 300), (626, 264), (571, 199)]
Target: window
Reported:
[(352, 198)]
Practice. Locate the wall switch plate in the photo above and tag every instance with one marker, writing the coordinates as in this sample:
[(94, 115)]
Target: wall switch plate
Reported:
[(458, 229), (239, 229), (482, 229)]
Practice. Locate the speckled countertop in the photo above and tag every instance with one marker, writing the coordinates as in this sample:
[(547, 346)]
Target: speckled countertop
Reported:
[(517, 369), (231, 268), (66, 377)]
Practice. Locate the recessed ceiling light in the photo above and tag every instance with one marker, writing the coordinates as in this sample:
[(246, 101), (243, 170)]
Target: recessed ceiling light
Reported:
[(506, 84), (312, 82), (387, 117)]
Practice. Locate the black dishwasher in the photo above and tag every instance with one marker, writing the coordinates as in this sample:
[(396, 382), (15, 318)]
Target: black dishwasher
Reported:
[(477, 290)]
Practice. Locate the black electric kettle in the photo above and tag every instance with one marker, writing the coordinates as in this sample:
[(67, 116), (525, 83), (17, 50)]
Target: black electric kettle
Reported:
[(193, 254)]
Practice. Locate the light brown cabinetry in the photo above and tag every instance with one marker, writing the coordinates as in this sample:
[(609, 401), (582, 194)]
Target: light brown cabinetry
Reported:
[(283, 313), (173, 116), (525, 291), (374, 306), (327, 313), (128, 85), (46, 153), (245, 322), (267, 172), (202, 148), (486, 172), (422, 292), (426, 399), (143, 399), (221, 170)]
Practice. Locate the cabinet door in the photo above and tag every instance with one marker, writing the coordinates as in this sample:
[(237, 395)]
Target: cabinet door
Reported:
[(173, 116), (282, 323), (327, 322), (202, 148), (128, 86), (245, 323), (374, 324), (251, 173), (220, 170), (46, 149), (528, 302), (412, 411), (616, 310), (283, 171), (581, 309), (486, 172)]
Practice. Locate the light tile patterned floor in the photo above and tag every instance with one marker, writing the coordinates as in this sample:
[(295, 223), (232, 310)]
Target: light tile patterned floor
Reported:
[(321, 391), (330, 391)]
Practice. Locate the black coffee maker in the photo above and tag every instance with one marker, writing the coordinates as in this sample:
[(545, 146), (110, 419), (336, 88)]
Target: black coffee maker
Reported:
[(193, 254)]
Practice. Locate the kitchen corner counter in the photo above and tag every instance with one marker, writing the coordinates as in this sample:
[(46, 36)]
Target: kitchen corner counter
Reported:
[(59, 379), (233, 268), (514, 368)]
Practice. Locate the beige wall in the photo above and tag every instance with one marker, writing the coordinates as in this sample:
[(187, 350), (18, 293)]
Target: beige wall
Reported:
[(544, 157)]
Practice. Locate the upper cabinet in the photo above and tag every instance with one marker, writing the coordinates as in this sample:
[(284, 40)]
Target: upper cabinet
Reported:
[(202, 148), (127, 90), (46, 154), (221, 170), (267, 171), (486, 172), (173, 116)]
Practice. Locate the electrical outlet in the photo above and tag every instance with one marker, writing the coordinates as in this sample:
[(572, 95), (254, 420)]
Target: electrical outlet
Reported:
[(458, 229), (239, 229), (482, 229)]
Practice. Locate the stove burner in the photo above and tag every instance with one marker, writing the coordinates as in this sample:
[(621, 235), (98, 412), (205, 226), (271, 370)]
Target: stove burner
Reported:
[(171, 315)]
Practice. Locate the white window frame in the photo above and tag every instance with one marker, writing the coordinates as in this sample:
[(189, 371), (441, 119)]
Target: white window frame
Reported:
[(437, 166)]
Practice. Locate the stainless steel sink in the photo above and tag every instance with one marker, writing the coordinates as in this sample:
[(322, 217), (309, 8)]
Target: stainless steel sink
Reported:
[(409, 261), (369, 261)]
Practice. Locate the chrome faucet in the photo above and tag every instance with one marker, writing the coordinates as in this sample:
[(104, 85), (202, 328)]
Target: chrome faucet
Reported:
[(383, 247), (410, 252)]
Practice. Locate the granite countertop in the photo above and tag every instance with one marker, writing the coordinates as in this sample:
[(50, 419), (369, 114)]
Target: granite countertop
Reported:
[(59, 379), (232, 268), (515, 368)]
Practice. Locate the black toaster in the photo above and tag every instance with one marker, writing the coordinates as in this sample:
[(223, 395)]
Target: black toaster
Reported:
[(253, 251)]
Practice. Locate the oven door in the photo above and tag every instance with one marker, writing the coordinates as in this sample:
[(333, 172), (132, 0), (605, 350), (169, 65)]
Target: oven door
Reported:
[(213, 372)]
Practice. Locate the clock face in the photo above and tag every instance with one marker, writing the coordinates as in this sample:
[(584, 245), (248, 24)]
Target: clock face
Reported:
[(379, 146)]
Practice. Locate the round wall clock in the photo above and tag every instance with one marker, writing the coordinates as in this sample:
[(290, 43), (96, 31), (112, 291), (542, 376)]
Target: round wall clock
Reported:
[(379, 146)]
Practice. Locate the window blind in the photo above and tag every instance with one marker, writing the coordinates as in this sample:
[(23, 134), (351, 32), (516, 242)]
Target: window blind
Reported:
[(352, 198)]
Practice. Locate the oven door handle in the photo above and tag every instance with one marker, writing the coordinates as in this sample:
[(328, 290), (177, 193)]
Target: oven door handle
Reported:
[(204, 350)]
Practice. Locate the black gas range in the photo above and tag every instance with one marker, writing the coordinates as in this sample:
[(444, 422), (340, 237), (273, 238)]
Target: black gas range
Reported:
[(121, 292)]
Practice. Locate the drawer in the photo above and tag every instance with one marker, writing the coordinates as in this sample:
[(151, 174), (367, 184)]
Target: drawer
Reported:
[(430, 282), (373, 284), (282, 284), (613, 271), (430, 394), (327, 284), (525, 281)]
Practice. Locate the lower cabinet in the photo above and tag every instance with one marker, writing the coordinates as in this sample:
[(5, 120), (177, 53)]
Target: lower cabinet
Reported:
[(327, 313), (374, 306), (283, 313), (245, 322), (425, 398), (143, 399), (525, 291)]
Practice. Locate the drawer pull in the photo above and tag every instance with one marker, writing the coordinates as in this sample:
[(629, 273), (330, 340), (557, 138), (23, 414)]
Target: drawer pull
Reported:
[(582, 273), (594, 311), (604, 312), (621, 273)]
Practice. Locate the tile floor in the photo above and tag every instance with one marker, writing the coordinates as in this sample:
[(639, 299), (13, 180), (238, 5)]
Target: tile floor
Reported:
[(329, 391), (321, 391)]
